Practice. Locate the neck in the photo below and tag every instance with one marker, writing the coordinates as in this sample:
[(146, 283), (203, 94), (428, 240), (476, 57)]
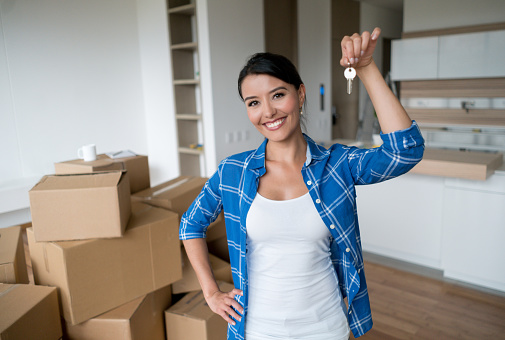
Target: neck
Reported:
[(293, 150)]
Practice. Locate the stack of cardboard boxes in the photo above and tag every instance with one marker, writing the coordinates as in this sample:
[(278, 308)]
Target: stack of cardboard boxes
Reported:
[(109, 244)]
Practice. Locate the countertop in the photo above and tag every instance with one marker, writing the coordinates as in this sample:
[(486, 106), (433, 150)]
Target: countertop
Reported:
[(473, 165)]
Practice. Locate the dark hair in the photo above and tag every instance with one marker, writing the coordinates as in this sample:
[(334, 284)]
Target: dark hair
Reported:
[(271, 64)]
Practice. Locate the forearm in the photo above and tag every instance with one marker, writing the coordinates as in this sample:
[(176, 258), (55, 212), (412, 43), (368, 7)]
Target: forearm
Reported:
[(391, 114), (198, 255)]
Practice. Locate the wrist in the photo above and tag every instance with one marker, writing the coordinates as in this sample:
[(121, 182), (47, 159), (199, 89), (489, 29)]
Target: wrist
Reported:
[(366, 68), (209, 292)]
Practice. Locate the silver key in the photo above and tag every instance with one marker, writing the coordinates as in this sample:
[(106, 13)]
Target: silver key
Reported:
[(349, 74)]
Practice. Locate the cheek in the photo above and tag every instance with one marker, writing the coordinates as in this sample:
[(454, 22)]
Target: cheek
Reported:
[(290, 106), (253, 115)]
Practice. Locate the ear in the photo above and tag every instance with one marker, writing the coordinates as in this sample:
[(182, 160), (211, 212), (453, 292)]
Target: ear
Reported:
[(301, 94)]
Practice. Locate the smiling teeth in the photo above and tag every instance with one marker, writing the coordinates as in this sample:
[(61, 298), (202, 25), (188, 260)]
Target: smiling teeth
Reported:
[(276, 123)]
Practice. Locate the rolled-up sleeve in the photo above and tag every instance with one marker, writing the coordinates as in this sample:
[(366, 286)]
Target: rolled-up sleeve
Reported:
[(401, 151), (203, 211)]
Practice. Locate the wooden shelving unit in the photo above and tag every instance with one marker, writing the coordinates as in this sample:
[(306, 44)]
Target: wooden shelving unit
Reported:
[(182, 28)]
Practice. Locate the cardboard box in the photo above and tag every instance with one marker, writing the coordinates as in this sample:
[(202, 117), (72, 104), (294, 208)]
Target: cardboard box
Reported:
[(95, 276), (217, 229), (140, 319), (191, 318), (175, 195), (137, 168), (189, 281), (13, 267), (29, 312), (219, 247), (80, 206)]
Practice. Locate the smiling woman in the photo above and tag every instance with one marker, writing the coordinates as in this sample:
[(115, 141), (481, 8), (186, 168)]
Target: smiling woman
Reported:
[(290, 208)]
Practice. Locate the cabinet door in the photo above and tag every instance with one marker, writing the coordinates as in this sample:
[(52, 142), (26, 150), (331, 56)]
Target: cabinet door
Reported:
[(473, 236), (401, 218), (414, 59), (472, 55)]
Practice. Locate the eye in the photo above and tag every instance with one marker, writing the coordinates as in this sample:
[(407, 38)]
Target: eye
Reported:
[(252, 103), (278, 95)]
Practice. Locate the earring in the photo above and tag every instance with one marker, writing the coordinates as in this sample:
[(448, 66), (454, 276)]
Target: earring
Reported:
[(301, 111)]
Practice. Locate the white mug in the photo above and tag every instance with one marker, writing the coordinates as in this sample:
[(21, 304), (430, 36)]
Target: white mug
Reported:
[(87, 152)]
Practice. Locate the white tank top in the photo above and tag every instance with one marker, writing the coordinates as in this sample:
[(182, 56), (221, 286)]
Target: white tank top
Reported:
[(293, 287)]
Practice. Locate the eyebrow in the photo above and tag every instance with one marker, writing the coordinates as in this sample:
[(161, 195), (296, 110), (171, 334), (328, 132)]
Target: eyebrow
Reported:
[(272, 91)]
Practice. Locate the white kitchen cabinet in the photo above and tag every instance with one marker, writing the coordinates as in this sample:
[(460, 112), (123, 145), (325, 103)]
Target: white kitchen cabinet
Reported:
[(472, 55), (474, 231), (414, 59), (455, 56), (455, 225), (402, 218)]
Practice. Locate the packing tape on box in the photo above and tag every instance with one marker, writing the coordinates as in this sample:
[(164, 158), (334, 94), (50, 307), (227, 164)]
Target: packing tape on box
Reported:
[(170, 187), (46, 260), (8, 290)]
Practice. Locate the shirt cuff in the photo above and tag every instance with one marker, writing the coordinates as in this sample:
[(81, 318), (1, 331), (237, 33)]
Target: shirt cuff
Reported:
[(408, 138)]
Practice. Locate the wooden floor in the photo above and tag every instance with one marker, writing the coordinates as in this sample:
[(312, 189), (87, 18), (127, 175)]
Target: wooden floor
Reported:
[(410, 306)]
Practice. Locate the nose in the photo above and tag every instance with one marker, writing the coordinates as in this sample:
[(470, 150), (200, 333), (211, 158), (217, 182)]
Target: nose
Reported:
[(270, 110)]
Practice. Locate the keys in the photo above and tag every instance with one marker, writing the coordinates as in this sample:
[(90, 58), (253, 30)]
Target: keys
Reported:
[(349, 74)]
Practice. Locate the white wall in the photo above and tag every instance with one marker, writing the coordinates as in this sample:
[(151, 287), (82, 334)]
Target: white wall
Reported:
[(74, 73), (158, 95), (236, 31), (74, 78), (314, 63), (439, 14)]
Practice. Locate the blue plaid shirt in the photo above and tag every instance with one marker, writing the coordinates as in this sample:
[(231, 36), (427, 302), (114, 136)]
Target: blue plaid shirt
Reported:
[(330, 175)]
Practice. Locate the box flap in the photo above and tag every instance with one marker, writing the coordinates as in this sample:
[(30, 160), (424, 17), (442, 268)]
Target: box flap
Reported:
[(100, 162), (18, 299), (9, 240), (123, 312), (193, 304), (179, 188), (79, 181), (160, 188)]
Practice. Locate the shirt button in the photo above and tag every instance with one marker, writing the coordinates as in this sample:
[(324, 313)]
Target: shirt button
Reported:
[(332, 226), (318, 201), (309, 183), (347, 249)]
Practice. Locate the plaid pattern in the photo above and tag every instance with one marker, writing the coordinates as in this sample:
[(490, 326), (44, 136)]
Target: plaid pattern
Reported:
[(330, 175)]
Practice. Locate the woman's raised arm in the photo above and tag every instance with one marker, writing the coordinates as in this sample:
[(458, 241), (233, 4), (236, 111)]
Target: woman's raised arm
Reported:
[(357, 50)]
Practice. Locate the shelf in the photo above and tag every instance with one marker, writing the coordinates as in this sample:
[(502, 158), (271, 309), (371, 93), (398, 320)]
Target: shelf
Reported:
[(189, 151), (186, 85), (192, 46), (185, 9), (186, 82), (188, 116)]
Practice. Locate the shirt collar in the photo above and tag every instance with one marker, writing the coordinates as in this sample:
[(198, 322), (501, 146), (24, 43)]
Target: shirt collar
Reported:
[(315, 153)]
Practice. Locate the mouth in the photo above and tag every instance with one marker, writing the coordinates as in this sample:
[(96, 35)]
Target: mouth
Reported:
[(276, 124)]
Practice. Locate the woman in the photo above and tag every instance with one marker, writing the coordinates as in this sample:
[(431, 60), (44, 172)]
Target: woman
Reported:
[(290, 208)]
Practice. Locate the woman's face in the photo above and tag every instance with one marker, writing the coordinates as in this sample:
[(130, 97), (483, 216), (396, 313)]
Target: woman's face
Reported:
[(273, 106)]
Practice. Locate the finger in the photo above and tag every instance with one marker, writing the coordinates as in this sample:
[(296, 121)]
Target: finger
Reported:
[(375, 34), (235, 291), (349, 49), (237, 307), (230, 302), (365, 40), (356, 42), (231, 312), (345, 57), (227, 318)]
